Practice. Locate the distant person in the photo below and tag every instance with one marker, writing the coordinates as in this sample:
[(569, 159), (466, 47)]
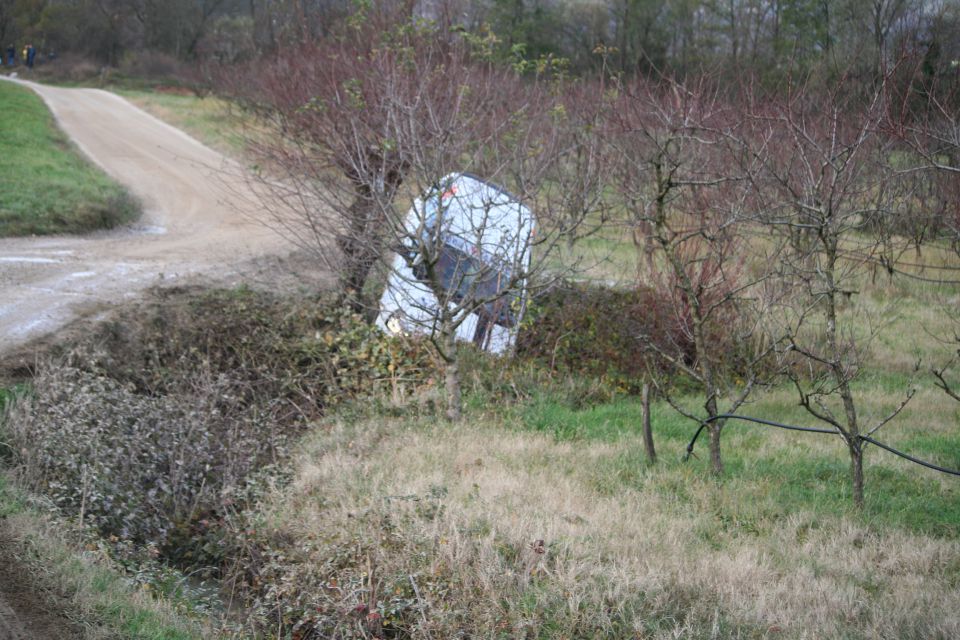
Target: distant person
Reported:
[(31, 56), (11, 56)]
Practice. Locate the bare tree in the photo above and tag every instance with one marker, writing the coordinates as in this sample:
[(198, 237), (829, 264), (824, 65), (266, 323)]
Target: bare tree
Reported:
[(331, 164), (390, 110), (681, 181), (478, 267), (827, 175), (931, 130)]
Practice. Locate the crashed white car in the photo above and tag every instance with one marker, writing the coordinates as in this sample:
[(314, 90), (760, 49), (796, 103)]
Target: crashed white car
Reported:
[(479, 237)]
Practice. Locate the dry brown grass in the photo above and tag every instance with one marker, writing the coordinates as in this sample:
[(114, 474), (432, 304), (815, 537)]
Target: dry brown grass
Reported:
[(617, 561)]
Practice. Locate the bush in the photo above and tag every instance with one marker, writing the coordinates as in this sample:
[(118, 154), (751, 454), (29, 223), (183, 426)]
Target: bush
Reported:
[(71, 69), (304, 353), (595, 331), (150, 64), (139, 468), (615, 336), (152, 427)]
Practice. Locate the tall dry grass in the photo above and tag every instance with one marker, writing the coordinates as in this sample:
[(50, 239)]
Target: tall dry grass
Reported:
[(509, 534)]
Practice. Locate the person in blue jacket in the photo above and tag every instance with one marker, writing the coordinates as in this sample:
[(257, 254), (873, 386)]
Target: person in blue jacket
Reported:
[(31, 55)]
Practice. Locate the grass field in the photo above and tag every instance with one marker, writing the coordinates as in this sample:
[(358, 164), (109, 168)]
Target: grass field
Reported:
[(550, 524), (46, 186)]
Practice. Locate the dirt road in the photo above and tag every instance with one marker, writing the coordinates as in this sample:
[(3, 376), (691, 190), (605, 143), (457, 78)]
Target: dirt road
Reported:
[(196, 220), (196, 223)]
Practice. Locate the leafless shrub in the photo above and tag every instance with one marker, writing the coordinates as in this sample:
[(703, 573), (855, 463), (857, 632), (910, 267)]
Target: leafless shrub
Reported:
[(151, 65), (144, 469)]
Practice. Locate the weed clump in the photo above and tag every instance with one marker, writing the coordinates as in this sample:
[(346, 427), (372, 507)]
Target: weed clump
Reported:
[(152, 428), (597, 332)]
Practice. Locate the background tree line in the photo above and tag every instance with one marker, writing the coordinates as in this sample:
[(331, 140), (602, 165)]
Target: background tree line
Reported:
[(680, 36)]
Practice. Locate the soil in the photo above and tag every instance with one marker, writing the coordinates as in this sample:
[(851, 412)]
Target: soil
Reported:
[(199, 224)]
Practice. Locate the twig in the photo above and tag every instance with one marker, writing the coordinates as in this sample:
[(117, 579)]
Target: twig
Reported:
[(423, 616)]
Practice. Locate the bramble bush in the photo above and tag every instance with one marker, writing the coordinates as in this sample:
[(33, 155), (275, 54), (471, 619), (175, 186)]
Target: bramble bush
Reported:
[(149, 428), (139, 468), (596, 332)]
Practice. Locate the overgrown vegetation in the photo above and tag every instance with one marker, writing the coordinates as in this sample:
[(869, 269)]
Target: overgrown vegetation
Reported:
[(46, 186), (152, 430), (537, 515)]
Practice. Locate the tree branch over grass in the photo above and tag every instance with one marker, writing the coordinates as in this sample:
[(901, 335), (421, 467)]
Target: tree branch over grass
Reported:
[(681, 178), (831, 172)]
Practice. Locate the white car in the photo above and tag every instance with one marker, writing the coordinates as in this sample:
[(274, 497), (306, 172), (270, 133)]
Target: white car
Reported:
[(480, 235)]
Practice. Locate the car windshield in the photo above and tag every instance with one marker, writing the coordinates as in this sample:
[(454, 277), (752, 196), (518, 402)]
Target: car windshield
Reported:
[(463, 276)]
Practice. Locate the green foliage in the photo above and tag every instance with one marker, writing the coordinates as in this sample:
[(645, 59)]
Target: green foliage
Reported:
[(45, 185)]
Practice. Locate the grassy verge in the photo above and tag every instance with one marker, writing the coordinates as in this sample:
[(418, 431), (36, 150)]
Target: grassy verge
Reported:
[(97, 599), (45, 185), (489, 529), (209, 119)]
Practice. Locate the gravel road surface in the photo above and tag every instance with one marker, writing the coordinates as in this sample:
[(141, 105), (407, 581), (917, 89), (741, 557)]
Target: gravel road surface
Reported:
[(196, 223)]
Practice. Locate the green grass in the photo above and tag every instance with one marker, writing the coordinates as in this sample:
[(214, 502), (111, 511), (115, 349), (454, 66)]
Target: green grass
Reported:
[(771, 473), (46, 186), (99, 599)]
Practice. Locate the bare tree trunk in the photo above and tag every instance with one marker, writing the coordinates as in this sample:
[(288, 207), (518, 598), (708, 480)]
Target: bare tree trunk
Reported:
[(716, 462), (647, 431), (451, 373), (361, 248), (710, 386), (856, 472), (852, 431)]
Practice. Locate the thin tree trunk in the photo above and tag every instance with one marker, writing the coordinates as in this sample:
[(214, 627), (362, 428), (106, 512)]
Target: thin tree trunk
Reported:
[(647, 431), (852, 432), (452, 375), (716, 462), (709, 387), (856, 473)]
